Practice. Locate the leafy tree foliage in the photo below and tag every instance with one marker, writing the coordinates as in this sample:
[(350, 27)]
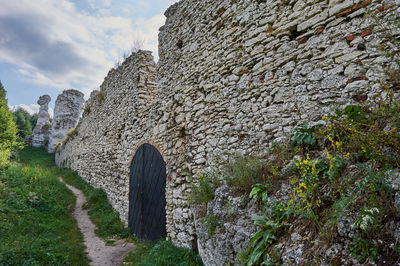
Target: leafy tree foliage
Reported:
[(25, 122), (8, 129)]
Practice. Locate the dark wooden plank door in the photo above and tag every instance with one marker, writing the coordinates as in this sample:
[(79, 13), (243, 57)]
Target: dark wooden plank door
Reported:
[(147, 217)]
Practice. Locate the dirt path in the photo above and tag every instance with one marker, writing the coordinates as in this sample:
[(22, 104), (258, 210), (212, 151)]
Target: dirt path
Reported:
[(98, 252)]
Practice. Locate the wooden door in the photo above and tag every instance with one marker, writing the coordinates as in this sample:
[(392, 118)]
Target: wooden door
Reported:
[(147, 217)]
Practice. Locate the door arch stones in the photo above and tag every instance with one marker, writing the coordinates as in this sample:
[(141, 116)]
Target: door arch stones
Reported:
[(147, 216)]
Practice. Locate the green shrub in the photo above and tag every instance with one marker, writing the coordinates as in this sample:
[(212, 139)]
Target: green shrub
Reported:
[(46, 127), (87, 109), (367, 132), (8, 130), (304, 136), (364, 249)]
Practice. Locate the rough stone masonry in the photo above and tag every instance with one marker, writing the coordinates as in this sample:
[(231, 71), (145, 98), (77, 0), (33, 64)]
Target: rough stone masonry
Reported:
[(233, 77)]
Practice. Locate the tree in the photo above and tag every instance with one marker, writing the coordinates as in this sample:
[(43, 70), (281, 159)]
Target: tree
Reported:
[(8, 130), (24, 123)]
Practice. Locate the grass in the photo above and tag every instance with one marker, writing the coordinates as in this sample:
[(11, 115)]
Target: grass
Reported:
[(36, 226), (99, 209), (162, 253)]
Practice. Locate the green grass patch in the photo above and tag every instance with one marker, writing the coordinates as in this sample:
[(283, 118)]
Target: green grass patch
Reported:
[(36, 225), (101, 213), (162, 253)]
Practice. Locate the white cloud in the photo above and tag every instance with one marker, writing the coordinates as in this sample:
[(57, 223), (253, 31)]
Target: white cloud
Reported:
[(91, 43)]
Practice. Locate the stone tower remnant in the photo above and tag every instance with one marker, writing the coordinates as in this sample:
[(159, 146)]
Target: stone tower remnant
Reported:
[(40, 133), (67, 111)]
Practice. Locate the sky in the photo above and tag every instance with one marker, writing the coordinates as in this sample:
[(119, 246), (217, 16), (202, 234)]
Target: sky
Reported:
[(47, 46)]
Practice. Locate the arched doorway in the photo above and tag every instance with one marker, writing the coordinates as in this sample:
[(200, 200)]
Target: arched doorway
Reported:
[(148, 176)]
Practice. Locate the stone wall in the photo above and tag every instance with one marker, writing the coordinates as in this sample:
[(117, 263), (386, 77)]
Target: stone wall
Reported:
[(113, 123), (233, 77)]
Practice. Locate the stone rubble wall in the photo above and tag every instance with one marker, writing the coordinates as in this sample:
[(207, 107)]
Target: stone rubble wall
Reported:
[(242, 74), (67, 111), (233, 77), (113, 123), (40, 134)]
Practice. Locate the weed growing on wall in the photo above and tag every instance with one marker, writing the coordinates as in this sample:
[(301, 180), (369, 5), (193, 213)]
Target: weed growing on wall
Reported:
[(203, 192), (100, 97), (304, 136), (212, 222)]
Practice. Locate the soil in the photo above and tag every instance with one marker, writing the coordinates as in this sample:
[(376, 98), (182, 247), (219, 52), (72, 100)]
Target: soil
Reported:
[(98, 252)]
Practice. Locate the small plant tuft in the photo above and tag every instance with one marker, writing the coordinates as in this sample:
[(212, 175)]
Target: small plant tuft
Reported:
[(243, 172), (212, 222), (203, 192), (100, 97)]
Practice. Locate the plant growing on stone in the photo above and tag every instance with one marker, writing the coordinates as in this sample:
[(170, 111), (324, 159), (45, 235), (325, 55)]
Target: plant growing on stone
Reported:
[(367, 132), (45, 127), (269, 223), (259, 191), (72, 133), (364, 249), (203, 192), (243, 172), (212, 222), (100, 97), (86, 111), (304, 136), (367, 219)]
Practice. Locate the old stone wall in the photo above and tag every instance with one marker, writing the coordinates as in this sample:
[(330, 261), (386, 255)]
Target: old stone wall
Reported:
[(233, 77), (113, 123)]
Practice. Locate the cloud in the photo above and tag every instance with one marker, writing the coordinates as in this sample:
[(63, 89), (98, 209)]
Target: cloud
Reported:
[(54, 44), (31, 109), (30, 43)]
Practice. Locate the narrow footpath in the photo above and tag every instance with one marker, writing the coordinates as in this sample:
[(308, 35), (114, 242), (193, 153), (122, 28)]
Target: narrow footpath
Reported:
[(98, 252)]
